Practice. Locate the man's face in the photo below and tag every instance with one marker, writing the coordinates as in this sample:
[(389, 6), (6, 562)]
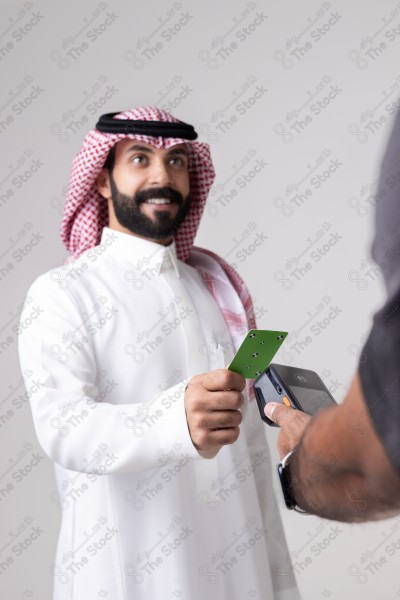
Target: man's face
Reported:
[(149, 189)]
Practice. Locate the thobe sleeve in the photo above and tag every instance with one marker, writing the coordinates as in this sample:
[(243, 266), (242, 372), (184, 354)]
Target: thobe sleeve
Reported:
[(70, 421)]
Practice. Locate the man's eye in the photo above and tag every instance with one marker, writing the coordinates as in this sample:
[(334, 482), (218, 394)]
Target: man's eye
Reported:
[(138, 159), (177, 160)]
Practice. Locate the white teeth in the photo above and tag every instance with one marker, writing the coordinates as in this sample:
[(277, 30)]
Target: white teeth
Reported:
[(158, 201)]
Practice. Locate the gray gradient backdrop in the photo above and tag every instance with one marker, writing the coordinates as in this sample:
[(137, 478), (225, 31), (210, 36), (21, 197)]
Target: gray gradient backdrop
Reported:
[(296, 100)]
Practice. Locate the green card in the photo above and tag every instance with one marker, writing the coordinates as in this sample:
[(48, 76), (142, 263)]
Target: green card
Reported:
[(256, 352)]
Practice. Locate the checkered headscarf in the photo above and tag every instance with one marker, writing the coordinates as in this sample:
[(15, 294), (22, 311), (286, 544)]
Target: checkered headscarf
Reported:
[(86, 213)]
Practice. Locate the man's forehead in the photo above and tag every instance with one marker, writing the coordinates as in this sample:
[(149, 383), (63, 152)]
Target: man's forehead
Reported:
[(128, 145)]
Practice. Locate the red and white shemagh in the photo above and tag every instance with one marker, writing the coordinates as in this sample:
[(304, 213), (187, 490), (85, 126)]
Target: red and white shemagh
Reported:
[(86, 213)]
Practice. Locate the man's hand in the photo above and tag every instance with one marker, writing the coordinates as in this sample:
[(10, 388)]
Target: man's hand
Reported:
[(292, 423), (340, 469), (212, 403)]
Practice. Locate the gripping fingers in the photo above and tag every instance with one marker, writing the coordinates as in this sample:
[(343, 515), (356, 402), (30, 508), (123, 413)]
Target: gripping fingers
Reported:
[(221, 419), (228, 400), (224, 436), (223, 379)]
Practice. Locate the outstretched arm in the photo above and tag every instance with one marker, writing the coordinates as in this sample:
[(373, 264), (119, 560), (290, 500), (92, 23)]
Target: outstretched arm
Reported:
[(339, 469), (81, 430)]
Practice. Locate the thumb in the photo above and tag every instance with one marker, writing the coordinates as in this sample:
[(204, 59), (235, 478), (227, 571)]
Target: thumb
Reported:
[(276, 412)]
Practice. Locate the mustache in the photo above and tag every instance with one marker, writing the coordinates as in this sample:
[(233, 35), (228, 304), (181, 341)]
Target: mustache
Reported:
[(164, 192)]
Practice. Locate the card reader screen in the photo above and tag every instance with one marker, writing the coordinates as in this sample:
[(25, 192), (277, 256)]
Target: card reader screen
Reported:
[(312, 400)]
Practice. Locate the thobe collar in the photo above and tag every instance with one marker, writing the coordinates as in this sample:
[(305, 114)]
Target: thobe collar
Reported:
[(145, 255)]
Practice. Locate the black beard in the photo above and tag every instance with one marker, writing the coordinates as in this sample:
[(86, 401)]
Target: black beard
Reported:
[(129, 214)]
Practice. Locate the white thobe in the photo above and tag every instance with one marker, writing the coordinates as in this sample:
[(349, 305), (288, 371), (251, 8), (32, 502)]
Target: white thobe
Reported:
[(117, 335)]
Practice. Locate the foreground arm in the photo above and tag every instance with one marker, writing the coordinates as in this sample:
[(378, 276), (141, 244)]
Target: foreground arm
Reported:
[(339, 469)]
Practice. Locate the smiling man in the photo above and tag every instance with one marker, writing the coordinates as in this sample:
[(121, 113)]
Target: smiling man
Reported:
[(155, 213), (162, 466)]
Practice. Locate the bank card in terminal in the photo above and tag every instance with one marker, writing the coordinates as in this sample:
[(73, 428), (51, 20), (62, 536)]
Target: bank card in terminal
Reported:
[(256, 352)]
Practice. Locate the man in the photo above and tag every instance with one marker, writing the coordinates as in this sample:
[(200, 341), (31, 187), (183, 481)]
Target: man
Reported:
[(345, 462), (163, 495)]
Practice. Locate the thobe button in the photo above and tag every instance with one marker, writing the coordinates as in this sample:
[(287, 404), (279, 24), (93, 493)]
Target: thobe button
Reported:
[(169, 262)]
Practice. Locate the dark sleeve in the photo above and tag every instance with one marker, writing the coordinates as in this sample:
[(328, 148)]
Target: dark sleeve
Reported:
[(379, 365)]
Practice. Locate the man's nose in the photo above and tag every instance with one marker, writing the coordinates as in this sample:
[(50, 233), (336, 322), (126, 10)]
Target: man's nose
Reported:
[(159, 174)]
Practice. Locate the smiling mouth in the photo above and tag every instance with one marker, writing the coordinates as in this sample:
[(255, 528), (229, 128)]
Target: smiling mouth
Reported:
[(158, 201)]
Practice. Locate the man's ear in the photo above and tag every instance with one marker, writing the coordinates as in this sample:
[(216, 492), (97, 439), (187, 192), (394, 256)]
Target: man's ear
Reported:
[(103, 184)]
